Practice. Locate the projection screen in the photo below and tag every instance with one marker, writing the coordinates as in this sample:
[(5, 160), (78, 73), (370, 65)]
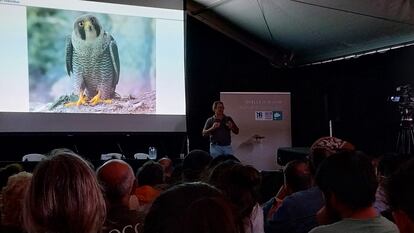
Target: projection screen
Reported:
[(88, 66)]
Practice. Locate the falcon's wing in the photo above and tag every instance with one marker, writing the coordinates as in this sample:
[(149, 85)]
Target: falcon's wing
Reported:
[(69, 55), (113, 49)]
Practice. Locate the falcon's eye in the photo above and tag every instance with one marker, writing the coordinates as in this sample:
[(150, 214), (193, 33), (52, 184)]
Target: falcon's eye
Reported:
[(81, 23)]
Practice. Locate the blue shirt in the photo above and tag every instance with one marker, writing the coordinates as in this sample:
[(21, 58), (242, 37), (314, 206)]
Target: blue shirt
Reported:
[(297, 213)]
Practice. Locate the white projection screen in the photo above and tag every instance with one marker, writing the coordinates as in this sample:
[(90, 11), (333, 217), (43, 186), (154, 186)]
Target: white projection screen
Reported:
[(41, 78)]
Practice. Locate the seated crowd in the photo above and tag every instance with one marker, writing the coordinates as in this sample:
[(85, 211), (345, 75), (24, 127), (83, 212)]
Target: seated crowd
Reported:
[(336, 189)]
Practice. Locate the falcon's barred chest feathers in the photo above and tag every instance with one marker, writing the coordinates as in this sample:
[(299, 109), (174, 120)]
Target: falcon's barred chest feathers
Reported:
[(92, 60)]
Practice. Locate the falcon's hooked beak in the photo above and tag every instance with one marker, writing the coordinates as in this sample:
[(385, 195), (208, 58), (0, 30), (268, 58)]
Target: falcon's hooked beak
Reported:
[(90, 30), (87, 26)]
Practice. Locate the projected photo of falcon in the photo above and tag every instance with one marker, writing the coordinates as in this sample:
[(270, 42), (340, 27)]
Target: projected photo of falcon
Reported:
[(83, 62), (92, 60)]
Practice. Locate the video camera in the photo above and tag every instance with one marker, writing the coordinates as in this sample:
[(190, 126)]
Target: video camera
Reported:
[(404, 98), (405, 101)]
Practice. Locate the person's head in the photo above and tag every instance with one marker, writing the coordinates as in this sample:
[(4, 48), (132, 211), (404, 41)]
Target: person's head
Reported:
[(177, 175), (167, 165), (210, 215), (150, 173), (240, 183), (171, 211), (117, 180), (64, 196), (218, 107), (219, 171), (297, 176), (221, 158), (7, 171), (195, 164), (400, 193), (347, 180), (57, 151), (387, 165), (13, 196), (323, 148)]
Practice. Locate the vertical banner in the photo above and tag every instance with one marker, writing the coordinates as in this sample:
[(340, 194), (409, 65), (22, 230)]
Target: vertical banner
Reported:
[(265, 125)]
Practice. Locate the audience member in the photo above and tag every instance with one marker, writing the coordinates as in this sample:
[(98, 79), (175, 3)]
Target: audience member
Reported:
[(348, 182), (117, 180), (168, 168), (240, 184), (177, 175), (150, 179), (218, 172), (13, 195), (57, 151), (195, 165), (296, 178), (297, 213), (219, 159), (210, 215), (64, 197), (191, 208), (400, 194), (7, 171), (387, 165), (64, 150)]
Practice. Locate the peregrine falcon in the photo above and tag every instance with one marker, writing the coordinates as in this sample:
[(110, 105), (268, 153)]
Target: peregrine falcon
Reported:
[(92, 60)]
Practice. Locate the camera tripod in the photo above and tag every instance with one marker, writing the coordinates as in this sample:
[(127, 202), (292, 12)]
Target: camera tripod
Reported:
[(405, 139)]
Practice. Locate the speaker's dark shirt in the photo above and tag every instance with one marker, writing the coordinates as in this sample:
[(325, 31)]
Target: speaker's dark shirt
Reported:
[(220, 136)]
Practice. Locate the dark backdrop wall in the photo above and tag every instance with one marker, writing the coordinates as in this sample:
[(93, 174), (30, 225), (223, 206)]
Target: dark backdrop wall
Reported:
[(352, 93)]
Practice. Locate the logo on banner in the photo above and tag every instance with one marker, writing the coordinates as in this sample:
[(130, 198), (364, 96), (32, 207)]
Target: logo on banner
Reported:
[(277, 115), (263, 115), (268, 116)]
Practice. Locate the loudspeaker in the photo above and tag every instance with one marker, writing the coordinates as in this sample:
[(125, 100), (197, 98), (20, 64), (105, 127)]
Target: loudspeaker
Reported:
[(287, 154)]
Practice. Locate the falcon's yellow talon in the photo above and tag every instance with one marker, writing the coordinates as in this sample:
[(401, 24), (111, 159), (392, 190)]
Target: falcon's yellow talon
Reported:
[(97, 99), (81, 101)]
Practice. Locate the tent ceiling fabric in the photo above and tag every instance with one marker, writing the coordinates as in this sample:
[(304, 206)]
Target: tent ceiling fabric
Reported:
[(318, 30)]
